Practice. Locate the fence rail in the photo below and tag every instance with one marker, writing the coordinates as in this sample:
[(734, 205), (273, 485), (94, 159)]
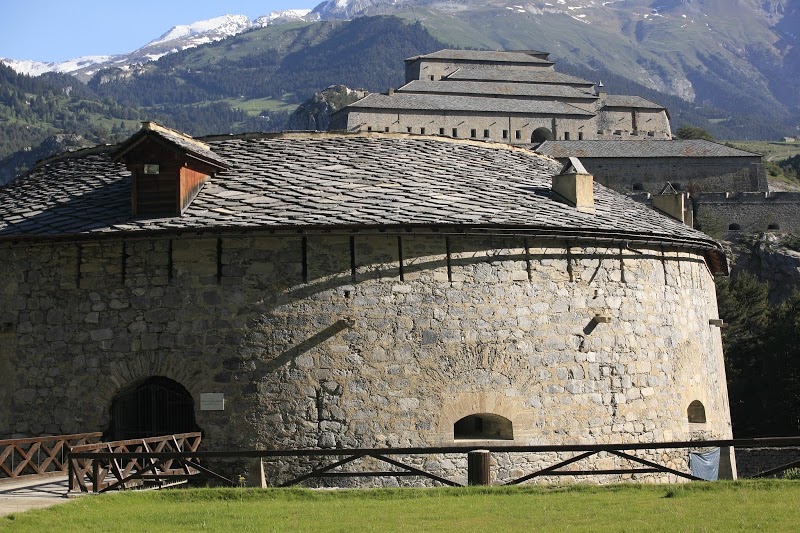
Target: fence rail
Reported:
[(39, 456), (135, 463), (348, 456)]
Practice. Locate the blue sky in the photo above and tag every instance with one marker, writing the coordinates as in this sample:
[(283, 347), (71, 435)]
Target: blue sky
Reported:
[(56, 30)]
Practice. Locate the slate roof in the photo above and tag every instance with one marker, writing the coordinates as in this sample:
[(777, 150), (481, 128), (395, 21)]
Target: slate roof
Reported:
[(488, 88), (639, 149), (436, 102), (308, 181), (517, 76), (484, 55), (621, 100)]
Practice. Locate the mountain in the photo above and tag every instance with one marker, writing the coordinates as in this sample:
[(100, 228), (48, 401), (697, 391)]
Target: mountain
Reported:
[(738, 56)]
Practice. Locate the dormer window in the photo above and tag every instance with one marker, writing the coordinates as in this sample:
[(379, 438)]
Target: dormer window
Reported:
[(168, 170)]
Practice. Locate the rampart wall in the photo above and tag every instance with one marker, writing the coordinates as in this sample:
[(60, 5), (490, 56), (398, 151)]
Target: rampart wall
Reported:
[(721, 214), (343, 340), (696, 175)]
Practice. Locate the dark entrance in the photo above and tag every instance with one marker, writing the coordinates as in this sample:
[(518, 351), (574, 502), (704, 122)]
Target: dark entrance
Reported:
[(153, 407), (541, 135)]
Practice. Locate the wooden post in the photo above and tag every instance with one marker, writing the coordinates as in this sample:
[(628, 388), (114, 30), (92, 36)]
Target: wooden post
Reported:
[(478, 467)]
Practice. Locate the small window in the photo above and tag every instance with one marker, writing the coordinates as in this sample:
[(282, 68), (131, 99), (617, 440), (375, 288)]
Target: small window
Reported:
[(505, 134), (386, 129), (518, 134), (638, 187), (455, 132), (441, 131), (734, 227), (151, 169), (408, 129), (486, 134), (369, 128), (483, 426), (566, 135), (580, 135), (696, 413), (432, 77), (422, 131), (773, 227), (473, 133)]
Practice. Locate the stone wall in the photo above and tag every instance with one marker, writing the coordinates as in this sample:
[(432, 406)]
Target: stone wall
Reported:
[(347, 340), (502, 128), (423, 69), (697, 175), (620, 124), (726, 214)]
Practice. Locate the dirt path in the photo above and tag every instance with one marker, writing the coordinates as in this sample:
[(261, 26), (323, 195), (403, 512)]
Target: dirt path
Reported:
[(19, 496)]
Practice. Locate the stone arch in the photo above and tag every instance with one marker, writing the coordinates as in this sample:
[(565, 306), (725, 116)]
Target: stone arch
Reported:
[(483, 426), (696, 412), (150, 407), (734, 227), (773, 226), (541, 135)]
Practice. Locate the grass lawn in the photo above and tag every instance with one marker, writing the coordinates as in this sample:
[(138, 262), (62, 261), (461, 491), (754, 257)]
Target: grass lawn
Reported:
[(723, 506)]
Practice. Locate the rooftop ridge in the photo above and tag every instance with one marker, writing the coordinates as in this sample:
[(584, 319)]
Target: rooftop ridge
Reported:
[(158, 128)]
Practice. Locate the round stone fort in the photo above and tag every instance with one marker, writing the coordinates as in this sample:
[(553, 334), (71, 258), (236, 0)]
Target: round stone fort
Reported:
[(282, 291)]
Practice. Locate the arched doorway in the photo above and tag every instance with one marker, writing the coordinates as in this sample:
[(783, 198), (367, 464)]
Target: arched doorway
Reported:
[(151, 407), (541, 135)]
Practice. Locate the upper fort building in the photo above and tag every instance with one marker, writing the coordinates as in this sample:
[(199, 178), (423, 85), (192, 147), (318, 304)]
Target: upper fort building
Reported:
[(509, 97)]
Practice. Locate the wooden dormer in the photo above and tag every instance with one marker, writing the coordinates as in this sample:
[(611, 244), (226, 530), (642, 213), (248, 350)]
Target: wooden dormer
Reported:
[(168, 168)]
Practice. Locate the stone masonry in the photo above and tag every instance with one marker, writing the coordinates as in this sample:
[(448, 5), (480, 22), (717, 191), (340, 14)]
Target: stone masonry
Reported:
[(376, 353)]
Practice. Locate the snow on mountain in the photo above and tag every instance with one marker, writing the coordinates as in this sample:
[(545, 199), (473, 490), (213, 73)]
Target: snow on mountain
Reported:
[(280, 17), (37, 68), (204, 31)]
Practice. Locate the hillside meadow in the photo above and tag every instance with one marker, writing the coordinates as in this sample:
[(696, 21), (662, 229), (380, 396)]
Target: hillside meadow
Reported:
[(767, 505)]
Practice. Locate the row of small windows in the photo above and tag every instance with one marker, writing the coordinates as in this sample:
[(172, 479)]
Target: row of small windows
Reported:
[(489, 426), (539, 135)]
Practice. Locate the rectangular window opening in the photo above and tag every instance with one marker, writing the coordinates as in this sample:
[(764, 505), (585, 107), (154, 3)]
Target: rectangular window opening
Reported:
[(486, 134), (518, 134)]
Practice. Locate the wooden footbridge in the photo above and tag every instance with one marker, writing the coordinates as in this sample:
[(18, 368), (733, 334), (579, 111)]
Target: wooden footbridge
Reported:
[(89, 465)]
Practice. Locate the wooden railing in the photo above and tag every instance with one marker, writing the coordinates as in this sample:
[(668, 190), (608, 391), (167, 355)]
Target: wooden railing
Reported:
[(626, 451), (134, 463), (39, 456)]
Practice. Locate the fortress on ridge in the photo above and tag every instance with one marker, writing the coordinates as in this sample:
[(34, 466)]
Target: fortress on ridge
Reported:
[(353, 290), (510, 97)]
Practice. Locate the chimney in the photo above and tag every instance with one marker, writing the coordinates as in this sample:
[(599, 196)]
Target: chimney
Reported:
[(673, 204), (575, 185), (600, 90), (390, 92)]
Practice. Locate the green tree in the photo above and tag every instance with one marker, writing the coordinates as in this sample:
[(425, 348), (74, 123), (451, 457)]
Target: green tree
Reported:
[(693, 132)]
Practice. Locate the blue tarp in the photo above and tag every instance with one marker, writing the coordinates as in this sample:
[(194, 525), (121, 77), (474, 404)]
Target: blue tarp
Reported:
[(705, 465)]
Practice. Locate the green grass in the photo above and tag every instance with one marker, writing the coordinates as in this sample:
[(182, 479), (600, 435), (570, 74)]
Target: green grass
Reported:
[(721, 506), (772, 151), (255, 106)]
